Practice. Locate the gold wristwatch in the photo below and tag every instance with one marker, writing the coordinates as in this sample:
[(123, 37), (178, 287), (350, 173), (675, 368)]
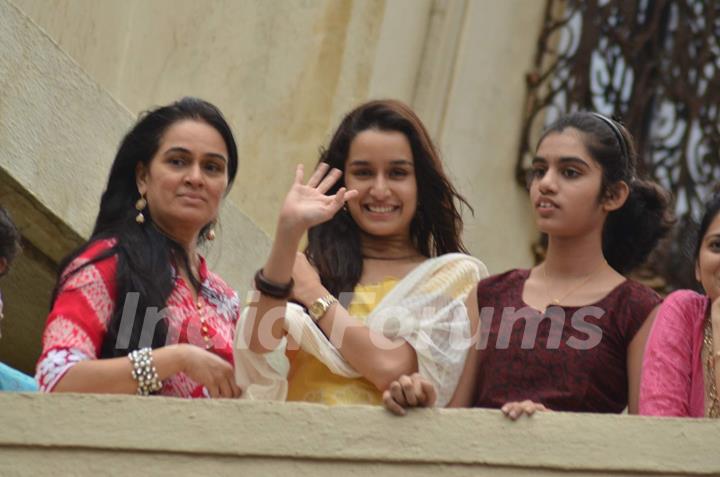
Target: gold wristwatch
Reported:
[(320, 306)]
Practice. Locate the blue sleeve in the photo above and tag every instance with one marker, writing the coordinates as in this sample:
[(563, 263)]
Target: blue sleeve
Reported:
[(15, 381)]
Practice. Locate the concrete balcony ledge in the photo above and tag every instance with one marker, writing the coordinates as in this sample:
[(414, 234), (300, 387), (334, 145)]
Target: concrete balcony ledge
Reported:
[(102, 434)]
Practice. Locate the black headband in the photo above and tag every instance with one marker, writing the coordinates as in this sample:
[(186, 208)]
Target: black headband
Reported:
[(618, 135)]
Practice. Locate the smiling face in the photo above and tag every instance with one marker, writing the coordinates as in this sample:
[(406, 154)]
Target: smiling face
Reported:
[(707, 267), (381, 168), (186, 179), (565, 186)]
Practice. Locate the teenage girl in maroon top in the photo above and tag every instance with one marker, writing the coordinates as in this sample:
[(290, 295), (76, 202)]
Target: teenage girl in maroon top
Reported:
[(568, 334)]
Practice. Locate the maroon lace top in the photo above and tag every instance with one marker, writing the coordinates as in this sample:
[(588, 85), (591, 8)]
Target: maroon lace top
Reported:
[(567, 358)]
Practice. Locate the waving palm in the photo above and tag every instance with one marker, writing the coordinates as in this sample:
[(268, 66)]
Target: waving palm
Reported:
[(307, 205)]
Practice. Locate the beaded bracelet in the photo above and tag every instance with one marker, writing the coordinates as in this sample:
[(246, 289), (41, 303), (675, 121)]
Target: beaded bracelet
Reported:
[(144, 372)]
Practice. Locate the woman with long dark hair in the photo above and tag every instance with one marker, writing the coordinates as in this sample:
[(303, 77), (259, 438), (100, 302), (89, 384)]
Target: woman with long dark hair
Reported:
[(568, 334), (681, 367), (10, 379), (379, 290), (135, 309)]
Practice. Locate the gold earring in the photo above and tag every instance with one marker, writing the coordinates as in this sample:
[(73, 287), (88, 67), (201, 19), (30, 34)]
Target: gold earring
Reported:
[(210, 234), (139, 206)]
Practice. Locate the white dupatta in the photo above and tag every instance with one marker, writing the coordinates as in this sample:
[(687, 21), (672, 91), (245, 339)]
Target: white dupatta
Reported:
[(426, 309)]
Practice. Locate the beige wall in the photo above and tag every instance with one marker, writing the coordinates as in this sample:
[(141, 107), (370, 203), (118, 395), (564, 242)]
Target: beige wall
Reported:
[(284, 72), (121, 435), (281, 71), (472, 90)]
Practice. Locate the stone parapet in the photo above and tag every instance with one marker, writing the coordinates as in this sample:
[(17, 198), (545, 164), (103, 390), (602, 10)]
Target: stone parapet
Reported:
[(87, 434)]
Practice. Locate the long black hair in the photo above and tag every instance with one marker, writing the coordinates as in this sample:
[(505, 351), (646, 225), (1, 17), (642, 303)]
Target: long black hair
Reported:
[(144, 254), (9, 240), (631, 232), (334, 246)]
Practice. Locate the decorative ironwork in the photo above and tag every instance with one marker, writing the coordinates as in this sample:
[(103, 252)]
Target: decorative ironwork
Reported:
[(655, 66)]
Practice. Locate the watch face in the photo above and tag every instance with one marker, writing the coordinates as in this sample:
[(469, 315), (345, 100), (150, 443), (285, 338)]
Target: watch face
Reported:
[(321, 305), (317, 309)]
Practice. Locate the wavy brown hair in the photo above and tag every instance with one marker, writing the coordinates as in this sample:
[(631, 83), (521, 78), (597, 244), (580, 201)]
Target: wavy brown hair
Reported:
[(334, 246)]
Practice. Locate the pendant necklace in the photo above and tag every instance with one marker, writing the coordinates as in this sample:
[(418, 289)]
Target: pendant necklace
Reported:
[(584, 281)]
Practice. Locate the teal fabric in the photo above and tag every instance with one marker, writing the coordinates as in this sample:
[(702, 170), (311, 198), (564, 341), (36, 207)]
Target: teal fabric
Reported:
[(13, 380)]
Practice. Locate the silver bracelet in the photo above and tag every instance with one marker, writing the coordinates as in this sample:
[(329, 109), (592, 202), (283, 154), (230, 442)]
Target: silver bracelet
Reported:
[(144, 372)]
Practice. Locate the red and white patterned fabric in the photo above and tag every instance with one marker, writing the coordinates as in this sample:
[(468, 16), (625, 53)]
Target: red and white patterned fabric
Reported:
[(79, 318)]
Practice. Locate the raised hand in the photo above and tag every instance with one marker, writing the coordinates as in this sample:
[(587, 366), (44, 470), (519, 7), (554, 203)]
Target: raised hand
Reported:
[(306, 205)]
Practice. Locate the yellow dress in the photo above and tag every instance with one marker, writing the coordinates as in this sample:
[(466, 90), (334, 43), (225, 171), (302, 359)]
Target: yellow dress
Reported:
[(310, 380)]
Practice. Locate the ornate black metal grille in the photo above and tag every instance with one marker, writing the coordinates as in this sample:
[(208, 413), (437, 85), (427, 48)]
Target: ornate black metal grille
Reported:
[(654, 65)]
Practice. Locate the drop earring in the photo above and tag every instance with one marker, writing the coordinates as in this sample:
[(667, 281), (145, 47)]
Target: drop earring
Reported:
[(139, 206)]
